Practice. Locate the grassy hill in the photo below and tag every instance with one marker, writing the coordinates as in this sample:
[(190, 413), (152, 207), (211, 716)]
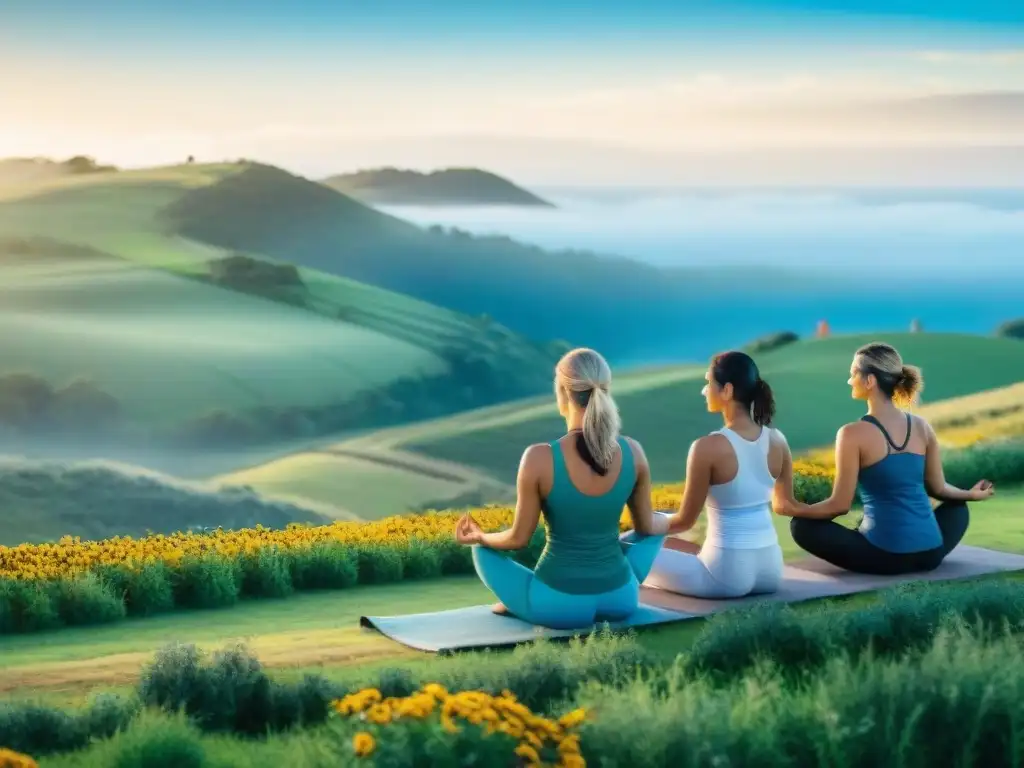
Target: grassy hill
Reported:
[(95, 288), (617, 303), (43, 501), (450, 186), (662, 408)]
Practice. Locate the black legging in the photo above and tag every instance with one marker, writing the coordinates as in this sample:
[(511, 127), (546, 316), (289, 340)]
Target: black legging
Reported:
[(848, 549)]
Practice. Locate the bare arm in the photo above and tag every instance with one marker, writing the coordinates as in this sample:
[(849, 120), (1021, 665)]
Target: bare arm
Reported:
[(527, 504), (783, 499), (641, 510), (845, 485), (935, 479), (698, 481)]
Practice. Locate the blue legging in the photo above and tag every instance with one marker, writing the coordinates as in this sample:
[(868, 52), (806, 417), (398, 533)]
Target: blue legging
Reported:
[(530, 599)]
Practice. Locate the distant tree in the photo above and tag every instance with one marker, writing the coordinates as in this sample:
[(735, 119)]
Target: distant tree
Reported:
[(771, 341), (191, 159), (1013, 329)]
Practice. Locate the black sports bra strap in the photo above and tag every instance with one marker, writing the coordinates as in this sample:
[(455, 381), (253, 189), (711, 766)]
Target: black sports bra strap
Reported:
[(885, 432)]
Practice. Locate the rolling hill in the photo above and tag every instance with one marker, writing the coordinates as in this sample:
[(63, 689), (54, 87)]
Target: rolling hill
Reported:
[(93, 289), (451, 186), (662, 408), (43, 501)]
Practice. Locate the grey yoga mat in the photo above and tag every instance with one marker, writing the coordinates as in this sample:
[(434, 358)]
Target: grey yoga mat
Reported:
[(478, 627)]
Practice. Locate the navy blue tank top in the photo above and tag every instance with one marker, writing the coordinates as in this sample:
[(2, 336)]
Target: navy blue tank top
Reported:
[(898, 514)]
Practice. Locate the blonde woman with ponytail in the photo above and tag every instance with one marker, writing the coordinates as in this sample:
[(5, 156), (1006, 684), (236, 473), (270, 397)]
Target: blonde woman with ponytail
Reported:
[(894, 457), (580, 484)]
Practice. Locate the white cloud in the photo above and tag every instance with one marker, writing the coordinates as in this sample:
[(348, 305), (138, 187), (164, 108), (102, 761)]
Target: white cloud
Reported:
[(1007, 57)]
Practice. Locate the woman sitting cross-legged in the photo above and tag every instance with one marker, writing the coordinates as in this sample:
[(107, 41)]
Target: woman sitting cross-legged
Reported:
[(900, 532), (580, 483), (735, 470)]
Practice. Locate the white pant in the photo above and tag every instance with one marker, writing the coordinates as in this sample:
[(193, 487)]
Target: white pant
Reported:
[(717, 572)]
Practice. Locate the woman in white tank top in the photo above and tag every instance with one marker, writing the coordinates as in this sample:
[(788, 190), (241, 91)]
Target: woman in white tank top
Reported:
[(735, 470)]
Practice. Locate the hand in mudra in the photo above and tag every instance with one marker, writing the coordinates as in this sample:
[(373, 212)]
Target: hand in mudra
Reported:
[(982, 490), (468, 530)]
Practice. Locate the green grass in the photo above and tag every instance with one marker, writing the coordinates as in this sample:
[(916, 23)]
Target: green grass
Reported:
[(169, 348), (314, 631), (666, 412), (661, 407)]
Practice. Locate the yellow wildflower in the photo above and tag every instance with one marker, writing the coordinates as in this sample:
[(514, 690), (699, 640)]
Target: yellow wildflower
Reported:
[(572, 719), (528, 753), (363, 744)]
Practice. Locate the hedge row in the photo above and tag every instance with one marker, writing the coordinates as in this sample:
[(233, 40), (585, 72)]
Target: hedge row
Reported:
[(230, 692), (209, 580)]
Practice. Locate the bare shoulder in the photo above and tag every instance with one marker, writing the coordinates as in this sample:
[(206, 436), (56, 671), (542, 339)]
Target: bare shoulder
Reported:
[(921, 423), (777, 438), (536, 459), (710, 446), (854, 432), (638, 450)]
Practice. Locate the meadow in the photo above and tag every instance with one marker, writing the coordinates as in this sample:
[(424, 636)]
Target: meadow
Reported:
[(477, 451), (147, 620), (185, 342)]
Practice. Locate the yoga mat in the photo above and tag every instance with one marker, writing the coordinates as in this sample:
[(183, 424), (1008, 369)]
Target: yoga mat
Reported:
[(811, 578), (478, 627)]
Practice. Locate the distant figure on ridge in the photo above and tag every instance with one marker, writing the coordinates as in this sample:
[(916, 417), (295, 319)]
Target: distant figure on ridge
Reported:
[(824, 330), (580, 482), (734, 470), (900, 533)]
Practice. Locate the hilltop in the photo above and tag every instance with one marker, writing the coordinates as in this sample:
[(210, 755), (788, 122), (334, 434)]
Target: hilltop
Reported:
[(618, 304), (450, 186), (478, 451), (183, 342)]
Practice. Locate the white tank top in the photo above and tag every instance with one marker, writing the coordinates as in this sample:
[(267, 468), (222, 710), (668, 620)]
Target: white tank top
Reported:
[(740, 511)]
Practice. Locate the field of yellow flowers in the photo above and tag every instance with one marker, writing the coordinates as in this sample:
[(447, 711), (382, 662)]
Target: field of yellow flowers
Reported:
[(71, 556), (74, 582)]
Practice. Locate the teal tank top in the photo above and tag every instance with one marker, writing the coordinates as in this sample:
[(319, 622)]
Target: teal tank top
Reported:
[(582, 555), (898, 516)]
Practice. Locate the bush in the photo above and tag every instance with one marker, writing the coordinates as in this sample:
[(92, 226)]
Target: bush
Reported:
[(771, 341), (1013, 329), (960, 703), (324, 565), (38, 729), (86, 599), (230, 691), (904, 619), (206, 581)]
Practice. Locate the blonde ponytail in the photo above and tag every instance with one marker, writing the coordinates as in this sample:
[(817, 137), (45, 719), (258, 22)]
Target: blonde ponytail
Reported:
[(601, 425), (585, 376)]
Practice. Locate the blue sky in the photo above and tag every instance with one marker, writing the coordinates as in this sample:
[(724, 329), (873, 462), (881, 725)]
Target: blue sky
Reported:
[(137, 82)]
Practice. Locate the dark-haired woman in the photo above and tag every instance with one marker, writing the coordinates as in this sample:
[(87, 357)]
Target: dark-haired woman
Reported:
[(900, 532), (735, 471)]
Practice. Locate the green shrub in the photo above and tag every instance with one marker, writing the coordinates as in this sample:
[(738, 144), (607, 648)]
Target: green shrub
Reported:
[(1013, 329), (379, 564), (904, 619), (961, 703), (27, 606), (87, 599), (422, 561), (324, 565), (37, 729), (206, 581), (999, 462), (266, 573), (771, 341)]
